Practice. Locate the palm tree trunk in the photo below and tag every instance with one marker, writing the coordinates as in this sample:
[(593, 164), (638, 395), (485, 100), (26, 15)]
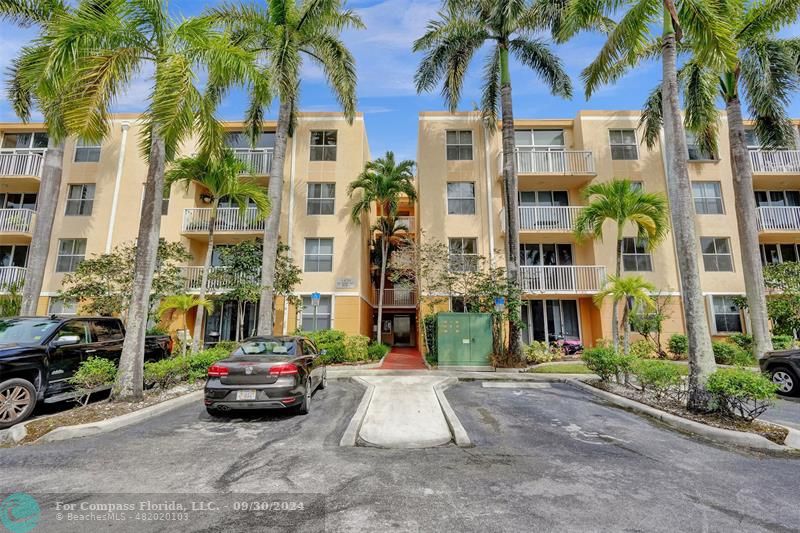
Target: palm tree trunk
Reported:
[(185, 333), (748, 232), (239, 319), (45, 216), (701, 357), (198, 319), (128, 385), (614, 310), (272, 226), (384, 252), (626, 328), (511, 201)]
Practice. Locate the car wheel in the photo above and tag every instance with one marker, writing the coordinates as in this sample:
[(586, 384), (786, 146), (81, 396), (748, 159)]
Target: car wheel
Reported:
[(786, 380), (305, 407), (324, 383), (17, 400)]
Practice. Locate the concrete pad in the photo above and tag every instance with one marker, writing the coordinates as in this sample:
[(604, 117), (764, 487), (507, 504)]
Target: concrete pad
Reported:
[(509, 385), (404, 412)]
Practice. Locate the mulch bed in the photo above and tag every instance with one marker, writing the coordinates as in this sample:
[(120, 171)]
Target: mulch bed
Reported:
[(773, 432)]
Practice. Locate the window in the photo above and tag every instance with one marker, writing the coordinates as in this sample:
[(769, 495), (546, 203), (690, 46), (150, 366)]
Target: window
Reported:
[(80, 199), (321, 198), (239, 140), (165, 201), (79, 328), (623, 145), (319, 255), (536, 254), (695, 152), (323, 145), (751, 139), (716, 254), (13, 255), (87, 152), (107, 330), (463, 255), (637, 186), (772, 254), (457, 305), (635, 257), (18, 200), (777, 198), (461, 198), (57, 306), (315, 319), (35, 141), (542, 139), (459, 145), (727, 316), (543, 198), (707, 198), (70, 253)]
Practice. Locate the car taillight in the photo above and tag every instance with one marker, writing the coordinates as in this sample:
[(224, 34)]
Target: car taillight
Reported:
[(217, 371), (283, 369)]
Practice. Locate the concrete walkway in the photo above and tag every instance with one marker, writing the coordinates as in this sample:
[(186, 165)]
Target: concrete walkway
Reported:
[(403, 359)]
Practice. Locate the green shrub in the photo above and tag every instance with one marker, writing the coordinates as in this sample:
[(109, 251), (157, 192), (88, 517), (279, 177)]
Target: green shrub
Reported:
[(199, 362), (643, 349), (93, 373), (167, 372), (540, 352), (741, 393), (332, 341), (157, 330), (678, 346), (376, 351), (782, 342), (726, 353), (603, 361), (227, 346), (429, 323), (658, 376), (356, 347)]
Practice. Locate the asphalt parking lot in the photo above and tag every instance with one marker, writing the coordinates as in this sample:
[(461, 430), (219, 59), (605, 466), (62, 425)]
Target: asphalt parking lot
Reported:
[(545, 459)]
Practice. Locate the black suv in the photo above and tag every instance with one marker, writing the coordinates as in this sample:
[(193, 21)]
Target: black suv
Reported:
[(783, 367)]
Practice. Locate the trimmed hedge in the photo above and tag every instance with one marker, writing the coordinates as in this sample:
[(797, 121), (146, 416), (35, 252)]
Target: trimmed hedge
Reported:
[(658, 376), (376, 351), (169, 372), (342, 348), (678, 346), (741, 393), (606, 362)]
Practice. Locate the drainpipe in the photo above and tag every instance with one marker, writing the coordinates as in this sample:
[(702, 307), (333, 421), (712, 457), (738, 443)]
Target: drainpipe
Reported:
[(117, 182), (290, 227)]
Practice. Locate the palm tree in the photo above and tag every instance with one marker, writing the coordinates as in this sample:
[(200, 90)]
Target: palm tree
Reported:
[(628, 44), (105, 45), (450, 43), (383, 182), (220, 177), (282, 34), (181, 304), (620, 202), (635, 293)]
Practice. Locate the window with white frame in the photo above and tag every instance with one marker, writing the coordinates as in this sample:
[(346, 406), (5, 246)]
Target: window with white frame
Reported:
[(460, 198), (323, 145), (318, 255), (717, 255), (319, 317), (727, 315), (637, 186), (70, 253), (696, 153), (459, 145), (773, 254), (463, 254), (80, 199), (165, 201), (87, 151), (635, 256), (623, 145), (707, 198), (56, 306), (34, 141), (18, 200), (527, 140), (751, 139), (321, 198)]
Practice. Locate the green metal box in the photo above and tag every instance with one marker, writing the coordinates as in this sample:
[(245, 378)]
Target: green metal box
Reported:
[(464, 340)]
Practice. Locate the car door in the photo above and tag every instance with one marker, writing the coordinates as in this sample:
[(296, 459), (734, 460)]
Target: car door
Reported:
[(65, 360), (108, 336), (313, 361)]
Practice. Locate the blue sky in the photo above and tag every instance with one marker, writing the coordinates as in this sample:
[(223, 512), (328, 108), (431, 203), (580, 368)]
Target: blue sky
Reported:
[(386, 67)]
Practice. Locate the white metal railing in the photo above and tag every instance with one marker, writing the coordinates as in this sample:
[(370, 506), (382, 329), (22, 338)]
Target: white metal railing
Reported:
[(574, 279), (398, 297), (778, 218), (11, 275), (775, 161), (552, 161), (21, 162), (548, 218), (229, 219), (16, 220), (259, 160), (218, 279), (407, 222)]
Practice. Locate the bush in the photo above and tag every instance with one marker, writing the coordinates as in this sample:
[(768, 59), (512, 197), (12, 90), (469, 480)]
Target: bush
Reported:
[(658, 376), (167, 372), (332, 341), (678, 346), (643, 349), (741, 393), (227, 346), (782, 342), (540, 352), (92, 374), (429, 323), (376, 351), (726, 353), (199, 362), (603, 361), (356, 348)]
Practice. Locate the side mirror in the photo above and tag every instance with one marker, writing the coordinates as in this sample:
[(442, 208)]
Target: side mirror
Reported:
[(323, 352), (66, 340)]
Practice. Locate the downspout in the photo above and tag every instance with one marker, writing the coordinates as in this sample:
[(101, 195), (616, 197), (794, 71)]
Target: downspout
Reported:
[(489, 213), (117, 183), (290, 227)]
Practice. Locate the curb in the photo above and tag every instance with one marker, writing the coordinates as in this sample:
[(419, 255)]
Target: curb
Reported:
[(350, 435), (727, 436), (459, 433), (105, 426), (14, 434)]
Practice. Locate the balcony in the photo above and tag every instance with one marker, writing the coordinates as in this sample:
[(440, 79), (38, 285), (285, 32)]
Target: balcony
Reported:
[(397, 297), (778, 219), (217, 279), (546, 218), (557, 279), (11, 276), (229, 220), (259, 160), (17, 220), (21, 163), (775, 161)]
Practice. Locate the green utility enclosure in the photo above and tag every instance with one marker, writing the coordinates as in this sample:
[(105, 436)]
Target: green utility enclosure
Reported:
[(464, 340)]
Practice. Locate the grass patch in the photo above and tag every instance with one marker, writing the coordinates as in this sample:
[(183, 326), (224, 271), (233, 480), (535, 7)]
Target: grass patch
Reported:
[(561, 368)]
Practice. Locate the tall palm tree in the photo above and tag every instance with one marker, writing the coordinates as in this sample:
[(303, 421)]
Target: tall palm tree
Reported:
[(629, 43), (620, 202), (220, 177), (634, 292), (181, 304), (106, 44), (283, 34), (383, 183), (450, 43), (765, 74)]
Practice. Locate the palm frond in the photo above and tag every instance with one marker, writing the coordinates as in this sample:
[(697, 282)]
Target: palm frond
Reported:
[(700, 90), (537, 56), (490, 97), (652, 118), (709, 31), (766, 17)]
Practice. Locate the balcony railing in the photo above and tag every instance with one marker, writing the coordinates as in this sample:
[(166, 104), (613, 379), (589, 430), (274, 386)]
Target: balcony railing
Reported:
[(548, 218), (778, 218), (561, 162), (775, 161), (218, 278), (229, 220), (398, 297), (583, 279), (16, 220), (18, 162), (259, 160), (11, 276)]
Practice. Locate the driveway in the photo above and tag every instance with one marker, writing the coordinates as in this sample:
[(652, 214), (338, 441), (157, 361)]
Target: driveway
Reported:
[(786, 411), (546, 459)]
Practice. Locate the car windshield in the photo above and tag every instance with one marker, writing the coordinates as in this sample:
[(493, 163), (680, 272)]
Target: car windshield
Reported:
[(266, 347), (26, 330)]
